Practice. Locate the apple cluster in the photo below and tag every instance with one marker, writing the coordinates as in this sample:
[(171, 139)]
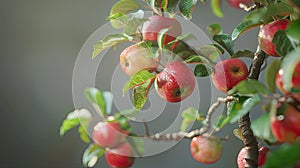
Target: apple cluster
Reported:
[(111, 136)]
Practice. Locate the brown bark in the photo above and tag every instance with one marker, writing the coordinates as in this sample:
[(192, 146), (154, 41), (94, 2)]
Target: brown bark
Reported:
[(244, 122)]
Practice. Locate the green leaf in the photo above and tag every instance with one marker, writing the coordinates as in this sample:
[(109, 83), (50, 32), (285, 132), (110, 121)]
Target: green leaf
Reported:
[(83, 134), (108, 97), (288, 65), (242, 107), (225, 41), (286, 156), (124, 7), (186, 8), (140, 93), (238, 133), (216, 8), (282, 43), (214, 29), (172, 4), (96, 97), (221, 121), (75, 118), (137, 79), (91, 155), (261, 128), (196, 59), (270, 75), (137, 144), (211, 52), (248, 87), (242, 27), (293, 29), (129, 113), (161, 37), (108, 41), (202, 71), (244, 53), (189, 116), (133, 24), (184, 37), (118, 19)]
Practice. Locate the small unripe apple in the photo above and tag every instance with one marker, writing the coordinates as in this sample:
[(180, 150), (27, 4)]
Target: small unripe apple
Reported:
[(285, 127), (262, 156), (156, 23), (266, 34), (108, 134), (175, 82), (295, 81), (229, 73), (236, 3), (120, 157), (206, 149), (136, 58)]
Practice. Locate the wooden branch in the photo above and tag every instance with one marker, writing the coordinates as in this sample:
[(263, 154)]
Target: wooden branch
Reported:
[(244, 122), (189, 135)]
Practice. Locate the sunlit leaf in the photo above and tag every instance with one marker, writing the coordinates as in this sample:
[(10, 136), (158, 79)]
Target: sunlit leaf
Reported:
[(97, 99), (133, 24), (216, 8), (189, 115), (91, 155), (107, 42), (248, 87), (124, 7), (261, 128), (137, 79), (140, 93), (242, 27), (214, 29)]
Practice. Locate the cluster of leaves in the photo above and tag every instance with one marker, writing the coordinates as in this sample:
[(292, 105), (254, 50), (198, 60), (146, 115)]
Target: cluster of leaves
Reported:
[(82, 118)]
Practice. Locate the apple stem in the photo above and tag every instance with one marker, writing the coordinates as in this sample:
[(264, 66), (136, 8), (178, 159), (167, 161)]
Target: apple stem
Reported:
[(244, 122)]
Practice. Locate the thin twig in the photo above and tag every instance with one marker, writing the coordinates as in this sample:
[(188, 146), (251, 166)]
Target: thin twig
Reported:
[(189, 135)]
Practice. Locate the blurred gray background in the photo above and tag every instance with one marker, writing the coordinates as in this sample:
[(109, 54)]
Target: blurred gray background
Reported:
[(39, 43)]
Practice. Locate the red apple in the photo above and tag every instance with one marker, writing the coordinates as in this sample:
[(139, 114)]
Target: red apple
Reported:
[(295, 82), (206, 149), (262, 156), (228, 73), (285, 127), (138, 57), (108, 134), (175, 82), (120, 157), (266, 33), (236, 3), (156, 23)]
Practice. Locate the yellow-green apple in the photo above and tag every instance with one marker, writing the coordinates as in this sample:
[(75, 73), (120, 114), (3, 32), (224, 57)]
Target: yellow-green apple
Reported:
[(285, 124), (206, 149), (266, 34), (236, 3), (138, 57), (120, 157), (175, 82), (295, 82), (156, 23), (262, 157), (228, 73), (108, 134)]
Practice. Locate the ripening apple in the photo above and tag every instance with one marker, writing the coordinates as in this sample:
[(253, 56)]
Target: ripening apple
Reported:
[(229, 73), (236, 3), (108, 134), (175, 82), (285, 127), (266, 34), (156, 23), (138, 57), (262, 157), (206, 149), (120, 157), (295, 82)]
